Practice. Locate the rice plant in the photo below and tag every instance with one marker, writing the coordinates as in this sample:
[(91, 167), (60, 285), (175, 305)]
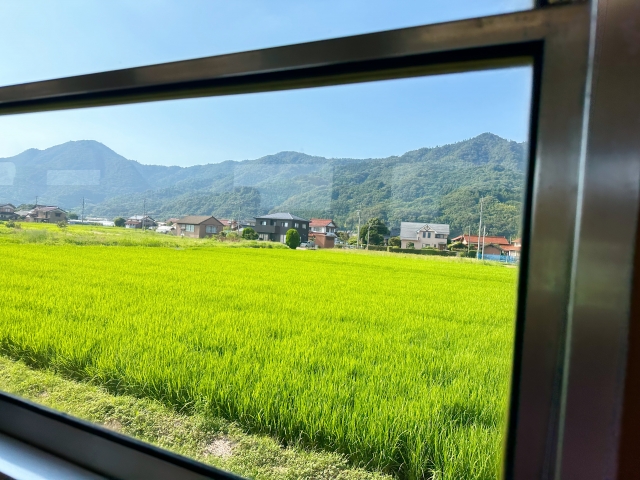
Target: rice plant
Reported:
[(399, 363)]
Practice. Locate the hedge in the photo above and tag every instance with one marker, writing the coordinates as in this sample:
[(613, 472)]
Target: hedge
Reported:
[(426, 251), (377, 248)]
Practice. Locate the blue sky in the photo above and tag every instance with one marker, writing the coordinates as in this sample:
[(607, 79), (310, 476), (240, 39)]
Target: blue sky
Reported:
[(41, 40)]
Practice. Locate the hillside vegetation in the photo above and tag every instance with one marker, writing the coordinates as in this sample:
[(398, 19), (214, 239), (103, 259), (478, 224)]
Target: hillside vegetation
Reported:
[(441, 184)]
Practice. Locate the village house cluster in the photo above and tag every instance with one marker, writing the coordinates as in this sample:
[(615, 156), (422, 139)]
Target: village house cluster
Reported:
[(38, 214), (320, 232)]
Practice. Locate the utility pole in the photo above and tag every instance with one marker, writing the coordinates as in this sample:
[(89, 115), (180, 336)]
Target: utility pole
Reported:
[(469, 242), (484, 235), (82, 210), (144, 210), (358, 235), (368, 231), (479, 226), (36, 206)]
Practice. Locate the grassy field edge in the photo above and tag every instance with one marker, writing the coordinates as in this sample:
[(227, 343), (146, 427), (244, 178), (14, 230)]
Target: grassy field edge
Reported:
[(212, 441)]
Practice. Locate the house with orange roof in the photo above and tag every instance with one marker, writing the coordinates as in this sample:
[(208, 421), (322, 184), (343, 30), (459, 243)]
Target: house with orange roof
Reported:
[(323, 232)]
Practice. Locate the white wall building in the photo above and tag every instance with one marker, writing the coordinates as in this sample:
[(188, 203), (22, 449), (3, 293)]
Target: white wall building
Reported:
[(424, 235)]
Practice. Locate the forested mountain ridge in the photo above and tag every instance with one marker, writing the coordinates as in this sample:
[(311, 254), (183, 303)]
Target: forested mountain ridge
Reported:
[(441, 184)]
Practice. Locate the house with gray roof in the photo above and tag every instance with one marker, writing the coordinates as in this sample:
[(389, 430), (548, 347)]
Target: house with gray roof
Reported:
[(139, 221), (273, 227), (198, 226), (7, 211), (420, 235)]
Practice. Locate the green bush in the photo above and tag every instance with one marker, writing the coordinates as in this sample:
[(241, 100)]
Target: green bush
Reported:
[(249, 234), (377, 248), (395, 242), (119, 221), (293, 238)]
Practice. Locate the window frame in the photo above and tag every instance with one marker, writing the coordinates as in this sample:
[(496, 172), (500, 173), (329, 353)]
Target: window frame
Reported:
[(557, 337)]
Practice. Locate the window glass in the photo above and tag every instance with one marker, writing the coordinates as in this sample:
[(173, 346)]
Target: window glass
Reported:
[(42, 40), (371, 353)]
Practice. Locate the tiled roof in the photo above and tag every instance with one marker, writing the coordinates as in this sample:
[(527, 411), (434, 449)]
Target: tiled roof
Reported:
[(320, 222), (487, 239), (509, 248), (282, 216), (46, 209), (139, 217), (409, 230), (196, 219)]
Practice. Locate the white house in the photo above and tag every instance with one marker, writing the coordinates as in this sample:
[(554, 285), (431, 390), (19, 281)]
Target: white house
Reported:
[(424, 235)]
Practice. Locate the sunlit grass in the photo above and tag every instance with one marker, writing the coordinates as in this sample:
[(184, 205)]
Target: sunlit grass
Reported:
[(402, 364)]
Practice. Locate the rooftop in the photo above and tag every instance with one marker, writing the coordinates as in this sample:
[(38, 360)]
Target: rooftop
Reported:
[(320, 222), (282, 216), (43, 208), (410, 230), (195, 219), (487, 239)]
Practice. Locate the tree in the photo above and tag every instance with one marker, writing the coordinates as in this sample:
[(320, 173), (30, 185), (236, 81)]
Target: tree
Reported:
[(344, 236), (394, 242), (293, 238), (249, 234), (374, 230), (73, 216), (352, 241), (119, 222)]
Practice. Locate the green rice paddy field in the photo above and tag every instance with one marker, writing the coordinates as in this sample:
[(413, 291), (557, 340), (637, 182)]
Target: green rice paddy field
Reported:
[(401, 363)]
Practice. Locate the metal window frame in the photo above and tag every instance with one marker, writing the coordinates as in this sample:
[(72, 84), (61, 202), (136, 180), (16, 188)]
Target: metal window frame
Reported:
[(575, 292)]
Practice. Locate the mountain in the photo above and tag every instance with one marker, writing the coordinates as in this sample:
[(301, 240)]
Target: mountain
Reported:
[(442, 184)]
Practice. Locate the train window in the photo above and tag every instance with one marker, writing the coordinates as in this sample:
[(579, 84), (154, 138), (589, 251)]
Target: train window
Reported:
[(139, 245), (312, 354), (39, 41)]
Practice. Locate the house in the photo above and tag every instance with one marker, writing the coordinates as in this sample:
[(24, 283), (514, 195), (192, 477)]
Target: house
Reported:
[(198, 226), (512, 250), (137, 221), (273, 227), (488, 240), (323, 231), (44, 214), (492, 248), (420, 235), (7, 212), (229, 224)]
